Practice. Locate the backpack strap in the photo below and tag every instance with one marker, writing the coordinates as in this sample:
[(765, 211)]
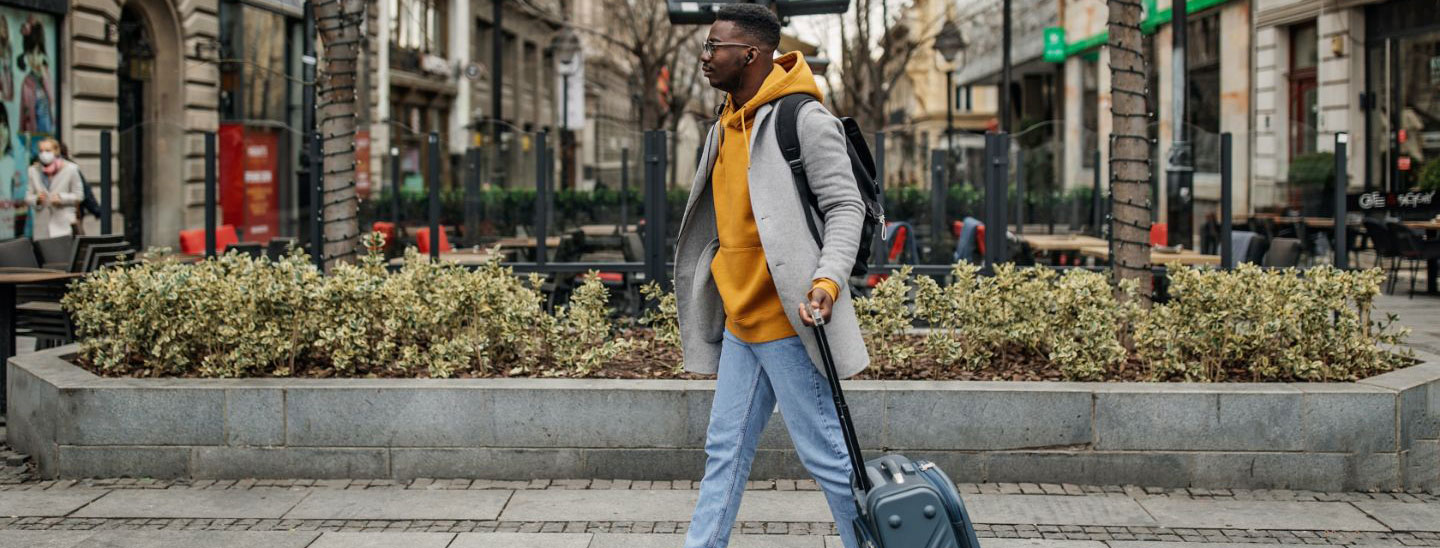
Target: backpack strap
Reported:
[(788, 137)]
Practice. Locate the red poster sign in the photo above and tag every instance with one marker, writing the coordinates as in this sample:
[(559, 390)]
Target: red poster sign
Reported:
[(249, 181), (1403, 163), (362, 164)]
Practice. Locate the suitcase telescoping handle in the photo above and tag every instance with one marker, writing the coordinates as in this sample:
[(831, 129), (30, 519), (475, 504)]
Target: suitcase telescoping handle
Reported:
[(847, 426)]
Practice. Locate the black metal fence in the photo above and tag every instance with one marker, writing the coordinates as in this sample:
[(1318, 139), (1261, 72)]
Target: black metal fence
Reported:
[(661, 203)]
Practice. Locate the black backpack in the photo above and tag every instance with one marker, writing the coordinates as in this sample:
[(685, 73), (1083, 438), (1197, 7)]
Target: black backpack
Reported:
[(861, 163)]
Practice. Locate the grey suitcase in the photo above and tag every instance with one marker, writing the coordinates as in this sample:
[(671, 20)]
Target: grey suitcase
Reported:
[(903, 503)]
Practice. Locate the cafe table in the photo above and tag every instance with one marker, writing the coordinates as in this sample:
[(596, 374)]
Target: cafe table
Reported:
[(1157, 257), (9, 278)]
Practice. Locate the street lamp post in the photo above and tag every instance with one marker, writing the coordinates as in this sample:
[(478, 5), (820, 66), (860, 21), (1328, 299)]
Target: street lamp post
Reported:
[(568, 60), (949, 43)]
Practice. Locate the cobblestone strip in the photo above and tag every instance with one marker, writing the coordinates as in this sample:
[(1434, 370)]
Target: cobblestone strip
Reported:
[(1127, 491), (1050, 532)]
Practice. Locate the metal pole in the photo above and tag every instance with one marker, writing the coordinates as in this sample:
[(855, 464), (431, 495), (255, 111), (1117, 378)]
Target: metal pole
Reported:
[(949, 119), (1096, 217), (497, 85), (565, 159), (542, 199), (106, 184), (1342, 183), (1227, 198), (311, 130), (1181, 169), (879, 255), (1005, 68), (624, 189), (209, 195), (395, 187), (997, 147), (655, 156), (432, 183), (1020, 190), (472, 196), (937, 206)]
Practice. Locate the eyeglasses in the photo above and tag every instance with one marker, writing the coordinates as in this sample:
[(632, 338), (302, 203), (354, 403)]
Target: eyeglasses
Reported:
[(709, 47)]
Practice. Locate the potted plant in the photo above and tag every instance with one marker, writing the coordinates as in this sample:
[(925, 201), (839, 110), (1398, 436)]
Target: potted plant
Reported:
[(1430, 176), (1312, 182)]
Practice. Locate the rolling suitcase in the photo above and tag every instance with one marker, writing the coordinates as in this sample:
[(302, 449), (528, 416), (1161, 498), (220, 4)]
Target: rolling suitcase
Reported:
[(903, 503)]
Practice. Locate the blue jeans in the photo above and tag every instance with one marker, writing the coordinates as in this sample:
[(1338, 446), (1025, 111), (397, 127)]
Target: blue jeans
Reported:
[(752, 377)]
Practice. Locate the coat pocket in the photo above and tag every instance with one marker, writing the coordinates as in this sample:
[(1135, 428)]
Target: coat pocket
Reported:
[(706, 295)]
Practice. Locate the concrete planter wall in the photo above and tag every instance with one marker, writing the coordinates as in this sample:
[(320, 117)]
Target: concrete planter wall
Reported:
[(1382, 432)]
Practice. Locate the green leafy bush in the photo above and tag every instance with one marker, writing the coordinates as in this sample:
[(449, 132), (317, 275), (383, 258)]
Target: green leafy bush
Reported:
[(1246, 324), (1430, 175), (247, 316), (237, 316), (1072, 319), (1313, 169), (1269, 324)]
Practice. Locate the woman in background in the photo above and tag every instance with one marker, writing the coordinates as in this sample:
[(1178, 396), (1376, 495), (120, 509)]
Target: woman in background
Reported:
[(55, 193)]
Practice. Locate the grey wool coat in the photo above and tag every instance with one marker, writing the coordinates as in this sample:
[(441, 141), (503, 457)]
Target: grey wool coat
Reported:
[(790, 250)]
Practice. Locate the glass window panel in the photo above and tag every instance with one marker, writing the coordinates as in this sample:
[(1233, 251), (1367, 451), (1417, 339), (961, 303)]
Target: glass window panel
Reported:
[(1304, 47)]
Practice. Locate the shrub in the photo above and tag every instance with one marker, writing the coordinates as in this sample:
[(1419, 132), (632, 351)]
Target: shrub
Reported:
[(239, 316), (580, 338), (1071, 319), (1313, 169), (1275, 325), (230, 316), (885, 317), (1430, 175)]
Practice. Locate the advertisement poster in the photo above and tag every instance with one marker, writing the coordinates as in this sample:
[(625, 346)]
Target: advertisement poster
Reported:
[(27, 105), (249, 175)]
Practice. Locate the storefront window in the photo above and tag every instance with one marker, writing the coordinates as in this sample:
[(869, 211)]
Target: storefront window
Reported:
[(1203, 58), (1304, 117), (258, 130), (1404, 92)]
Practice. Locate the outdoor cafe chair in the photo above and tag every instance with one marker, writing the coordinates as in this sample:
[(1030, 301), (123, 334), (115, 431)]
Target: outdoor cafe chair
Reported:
[(19, 252), (1283, 253), (55, 252), (1385, 248), (192, 241), (1413, 248)]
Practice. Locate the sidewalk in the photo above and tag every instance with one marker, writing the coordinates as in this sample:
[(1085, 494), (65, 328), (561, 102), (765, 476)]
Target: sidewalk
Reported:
[(130, 513)]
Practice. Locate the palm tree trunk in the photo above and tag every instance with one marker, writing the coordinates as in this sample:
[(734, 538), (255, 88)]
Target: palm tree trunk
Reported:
[(1129, 149), (338, 23)]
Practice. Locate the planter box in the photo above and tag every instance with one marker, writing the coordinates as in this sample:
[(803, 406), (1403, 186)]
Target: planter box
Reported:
[(1382, 432)]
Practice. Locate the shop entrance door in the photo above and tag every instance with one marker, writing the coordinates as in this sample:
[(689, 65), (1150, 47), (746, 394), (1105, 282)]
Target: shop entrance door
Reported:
[(1404, 118)]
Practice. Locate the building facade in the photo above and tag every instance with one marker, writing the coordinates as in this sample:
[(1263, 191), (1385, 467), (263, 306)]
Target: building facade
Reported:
[(1369, 69)]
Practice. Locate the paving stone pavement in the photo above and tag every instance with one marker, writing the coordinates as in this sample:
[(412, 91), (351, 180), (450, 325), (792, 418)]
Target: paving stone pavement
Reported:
[(443, 513)]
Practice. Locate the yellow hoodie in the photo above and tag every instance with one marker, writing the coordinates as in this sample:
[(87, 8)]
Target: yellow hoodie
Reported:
[(753, 311)]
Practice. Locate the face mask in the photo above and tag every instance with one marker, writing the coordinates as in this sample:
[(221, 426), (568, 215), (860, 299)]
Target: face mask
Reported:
[(47, 157)]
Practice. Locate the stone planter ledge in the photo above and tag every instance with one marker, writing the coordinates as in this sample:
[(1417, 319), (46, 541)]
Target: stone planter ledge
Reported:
[(1378, 433)]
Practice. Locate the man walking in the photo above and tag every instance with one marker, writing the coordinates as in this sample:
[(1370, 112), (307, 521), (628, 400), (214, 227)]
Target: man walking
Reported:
[(746, 266)]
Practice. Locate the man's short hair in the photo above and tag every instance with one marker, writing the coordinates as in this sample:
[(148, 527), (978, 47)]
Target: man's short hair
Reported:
[(754, 20)]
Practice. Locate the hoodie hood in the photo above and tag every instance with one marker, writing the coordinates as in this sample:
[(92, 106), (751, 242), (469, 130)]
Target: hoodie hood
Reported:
[(789, 75)]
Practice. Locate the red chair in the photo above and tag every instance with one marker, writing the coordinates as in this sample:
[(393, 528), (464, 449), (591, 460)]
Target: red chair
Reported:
[(980, 239), (897, 246), (422, 240), (192, 242), (387, 229), (1159, 234)]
